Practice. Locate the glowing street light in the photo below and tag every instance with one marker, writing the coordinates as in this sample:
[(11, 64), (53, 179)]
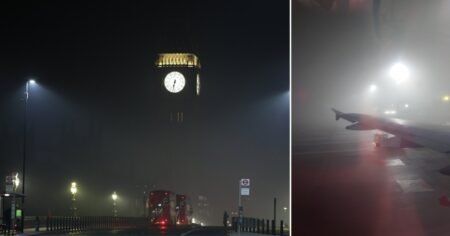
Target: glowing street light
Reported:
[(114, 198), (25, 122), (373, 88), (16, 181), (399, 72), (74, 190), (446, 98)]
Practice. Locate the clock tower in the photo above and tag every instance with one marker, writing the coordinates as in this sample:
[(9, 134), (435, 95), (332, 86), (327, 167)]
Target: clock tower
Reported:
[(179, 75)]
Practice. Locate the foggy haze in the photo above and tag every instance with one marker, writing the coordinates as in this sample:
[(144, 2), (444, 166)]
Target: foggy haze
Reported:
[(338, 53), (96, 116)]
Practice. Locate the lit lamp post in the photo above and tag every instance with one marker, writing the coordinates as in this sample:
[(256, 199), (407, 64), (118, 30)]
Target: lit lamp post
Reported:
[(399, 73), (74, 190), (285, 210), (114, 198), (16, 181), (27, 85)]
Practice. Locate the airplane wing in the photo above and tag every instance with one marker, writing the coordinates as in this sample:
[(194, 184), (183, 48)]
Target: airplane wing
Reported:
[(433, 137)]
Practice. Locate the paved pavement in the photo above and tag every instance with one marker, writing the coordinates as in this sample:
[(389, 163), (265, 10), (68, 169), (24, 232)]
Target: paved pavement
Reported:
[(342, 185)]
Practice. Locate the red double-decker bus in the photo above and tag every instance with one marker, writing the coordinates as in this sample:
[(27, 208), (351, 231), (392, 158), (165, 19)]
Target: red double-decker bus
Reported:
[(184, 210), (161, 207)]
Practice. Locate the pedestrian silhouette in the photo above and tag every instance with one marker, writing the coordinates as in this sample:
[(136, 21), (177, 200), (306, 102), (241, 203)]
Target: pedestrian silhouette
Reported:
[(225, 219)]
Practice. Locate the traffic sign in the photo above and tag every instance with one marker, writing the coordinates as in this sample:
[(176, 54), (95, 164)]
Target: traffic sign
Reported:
[(245, 191), (245, 182), (9, 184)]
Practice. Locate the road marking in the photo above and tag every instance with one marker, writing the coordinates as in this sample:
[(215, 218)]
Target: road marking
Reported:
[(414, 185), (190, 231), (394, 162)]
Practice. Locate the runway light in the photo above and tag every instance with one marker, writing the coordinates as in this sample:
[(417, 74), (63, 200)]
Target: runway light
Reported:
[(390, 112), (399, 72)]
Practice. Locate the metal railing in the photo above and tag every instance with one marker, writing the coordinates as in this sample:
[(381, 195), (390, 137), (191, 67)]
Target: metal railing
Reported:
[(260, 226), (80, 223)]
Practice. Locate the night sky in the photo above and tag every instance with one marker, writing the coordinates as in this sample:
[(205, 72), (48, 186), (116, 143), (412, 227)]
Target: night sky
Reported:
[(95, 116)]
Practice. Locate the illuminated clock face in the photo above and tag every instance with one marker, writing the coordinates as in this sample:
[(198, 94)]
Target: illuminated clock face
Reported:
[(174, 82), (198, 85)]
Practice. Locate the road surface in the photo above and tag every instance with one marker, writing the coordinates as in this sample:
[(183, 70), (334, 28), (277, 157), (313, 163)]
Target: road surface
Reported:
[(343, 185)]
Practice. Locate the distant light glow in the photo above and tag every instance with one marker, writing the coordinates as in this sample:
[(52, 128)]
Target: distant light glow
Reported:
[(16, 181), (285, 208), (406, 105), (114, 196), (399, 72), (32, 81), (193, 220), (446, 98), (390, 112), (373, 88), (73, 188), (198, 85)]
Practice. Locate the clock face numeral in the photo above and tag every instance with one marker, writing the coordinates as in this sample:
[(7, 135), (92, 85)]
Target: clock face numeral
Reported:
[(174, 82)]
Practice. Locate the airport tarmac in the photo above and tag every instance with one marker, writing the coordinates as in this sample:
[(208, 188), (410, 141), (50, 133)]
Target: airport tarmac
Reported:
[(343, 185)]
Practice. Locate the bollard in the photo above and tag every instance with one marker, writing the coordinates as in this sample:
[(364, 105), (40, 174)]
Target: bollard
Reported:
[(37, 224), (273, 227), (281, 228)]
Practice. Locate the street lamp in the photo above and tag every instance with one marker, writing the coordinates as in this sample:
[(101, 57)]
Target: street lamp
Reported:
[(399, 72), (114, 198), (373, 88), (16, 181), (74, 190), (27, 85)]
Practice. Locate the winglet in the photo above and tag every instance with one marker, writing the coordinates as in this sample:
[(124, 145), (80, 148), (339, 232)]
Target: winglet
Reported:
[(337, 113)]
